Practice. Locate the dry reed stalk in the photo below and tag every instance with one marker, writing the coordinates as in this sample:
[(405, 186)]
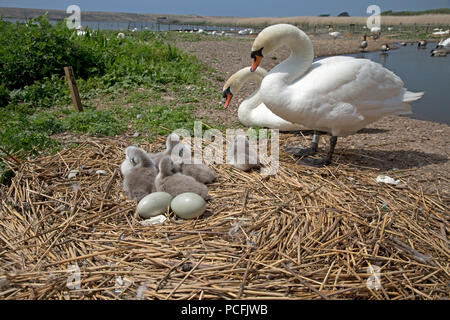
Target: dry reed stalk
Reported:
[(304, 233)]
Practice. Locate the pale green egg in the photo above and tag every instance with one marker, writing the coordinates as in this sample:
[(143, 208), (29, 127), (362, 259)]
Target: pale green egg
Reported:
[(153, 204), (188, 205)]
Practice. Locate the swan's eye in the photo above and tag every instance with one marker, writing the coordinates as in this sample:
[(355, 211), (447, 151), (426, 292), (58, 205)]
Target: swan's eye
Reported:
[(133, 161), (256, 53), (227, 92)]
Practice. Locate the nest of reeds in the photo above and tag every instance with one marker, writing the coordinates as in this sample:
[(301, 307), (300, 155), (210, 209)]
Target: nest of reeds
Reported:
[(305, 233)]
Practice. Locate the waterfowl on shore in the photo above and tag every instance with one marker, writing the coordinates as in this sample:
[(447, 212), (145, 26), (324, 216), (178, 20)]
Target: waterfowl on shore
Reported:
[(252, 112), (335, 34), (172, 140), (337, 95), (139, 180), (242, 155), (364, 43), (385, 47), (199, 171), (177, 183)]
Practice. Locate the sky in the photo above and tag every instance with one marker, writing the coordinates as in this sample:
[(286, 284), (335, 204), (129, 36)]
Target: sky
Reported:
[(236, 8)]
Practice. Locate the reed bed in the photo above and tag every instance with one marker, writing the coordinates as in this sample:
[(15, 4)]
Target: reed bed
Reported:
[(304, 233)]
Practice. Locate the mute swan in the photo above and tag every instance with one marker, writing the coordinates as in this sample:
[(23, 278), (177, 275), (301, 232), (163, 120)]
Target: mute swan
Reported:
[(338, 95), (244, 156), (175, 184), (199, 171), (139, 180), (251, 111), (335, 34), (444, 43), (172, 140), (364, 43)]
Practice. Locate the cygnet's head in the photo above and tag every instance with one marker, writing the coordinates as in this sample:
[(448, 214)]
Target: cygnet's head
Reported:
[(137, 156)]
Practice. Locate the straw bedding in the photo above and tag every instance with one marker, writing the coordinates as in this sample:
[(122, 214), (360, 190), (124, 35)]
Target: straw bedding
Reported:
[(304, 233)]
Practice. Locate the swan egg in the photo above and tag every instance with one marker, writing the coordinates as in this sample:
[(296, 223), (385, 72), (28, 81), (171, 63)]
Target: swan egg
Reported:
[(188, 205), (153, 204)]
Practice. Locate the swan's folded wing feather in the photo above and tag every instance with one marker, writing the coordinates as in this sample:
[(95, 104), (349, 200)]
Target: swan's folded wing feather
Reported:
[(347, 80)]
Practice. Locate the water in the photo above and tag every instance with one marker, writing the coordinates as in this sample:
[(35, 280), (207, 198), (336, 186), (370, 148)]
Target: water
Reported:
[(420, 72)]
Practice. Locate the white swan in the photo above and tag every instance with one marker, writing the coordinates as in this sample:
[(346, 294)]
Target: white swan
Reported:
[(338, 95), (251, 111), (444, 43)]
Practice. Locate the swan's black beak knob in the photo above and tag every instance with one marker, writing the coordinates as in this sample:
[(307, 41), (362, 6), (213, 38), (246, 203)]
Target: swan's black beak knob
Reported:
[(257, 57)]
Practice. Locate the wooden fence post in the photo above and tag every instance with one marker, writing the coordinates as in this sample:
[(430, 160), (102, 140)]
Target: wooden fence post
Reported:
[(73, 88)]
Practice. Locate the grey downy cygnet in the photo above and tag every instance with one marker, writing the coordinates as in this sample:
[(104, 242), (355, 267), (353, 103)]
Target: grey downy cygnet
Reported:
[(177, 183), (172, 140), (200, 172), (244, 156), (139, 180)]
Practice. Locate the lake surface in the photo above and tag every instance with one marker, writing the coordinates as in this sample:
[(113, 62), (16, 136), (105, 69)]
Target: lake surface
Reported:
[(420, 72)]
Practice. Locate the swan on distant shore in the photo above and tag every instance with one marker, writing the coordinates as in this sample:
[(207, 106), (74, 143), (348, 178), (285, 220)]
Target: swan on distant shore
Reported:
[(335, 34), (251, 112), (337, 95)]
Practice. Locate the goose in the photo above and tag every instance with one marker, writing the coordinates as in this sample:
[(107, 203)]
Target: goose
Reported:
[(252, 112), (385, 48), (337, 95), (178, 183), (403, 44), (442, 52), (422, 44), (364, 43), (139, 180), (242, 155)]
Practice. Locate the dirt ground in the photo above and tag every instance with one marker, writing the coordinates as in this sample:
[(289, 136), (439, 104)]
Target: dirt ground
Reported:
[(422, 148)]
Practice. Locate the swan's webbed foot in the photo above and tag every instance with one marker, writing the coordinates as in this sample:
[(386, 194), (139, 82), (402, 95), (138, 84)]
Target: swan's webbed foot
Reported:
[(300, 151), (305, 152), (324, 161), (315, 162)]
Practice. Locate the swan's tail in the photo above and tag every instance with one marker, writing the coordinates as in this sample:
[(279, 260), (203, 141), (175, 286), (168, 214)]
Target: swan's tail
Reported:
[(409, 96)]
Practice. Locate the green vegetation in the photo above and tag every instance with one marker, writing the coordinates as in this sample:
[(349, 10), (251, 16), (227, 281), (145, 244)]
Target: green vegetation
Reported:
[(140, 83), (415, 13)]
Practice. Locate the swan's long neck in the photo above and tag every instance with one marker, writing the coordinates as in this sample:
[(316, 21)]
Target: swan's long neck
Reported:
[(301, 58), (275, 86), (252, 101)]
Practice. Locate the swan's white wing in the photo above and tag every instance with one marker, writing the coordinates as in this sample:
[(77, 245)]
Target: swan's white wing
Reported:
[(341, 92)]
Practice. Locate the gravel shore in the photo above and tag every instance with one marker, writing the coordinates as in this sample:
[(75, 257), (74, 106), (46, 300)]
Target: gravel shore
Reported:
[(420, 148)]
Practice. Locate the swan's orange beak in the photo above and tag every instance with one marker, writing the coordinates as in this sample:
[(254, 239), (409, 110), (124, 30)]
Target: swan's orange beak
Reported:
[(227, 101), (255, 63), (227, 95), (257, 56)]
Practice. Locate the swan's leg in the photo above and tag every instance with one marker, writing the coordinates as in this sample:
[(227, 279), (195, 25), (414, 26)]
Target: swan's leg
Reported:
[(304, 152), (324, 161)]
